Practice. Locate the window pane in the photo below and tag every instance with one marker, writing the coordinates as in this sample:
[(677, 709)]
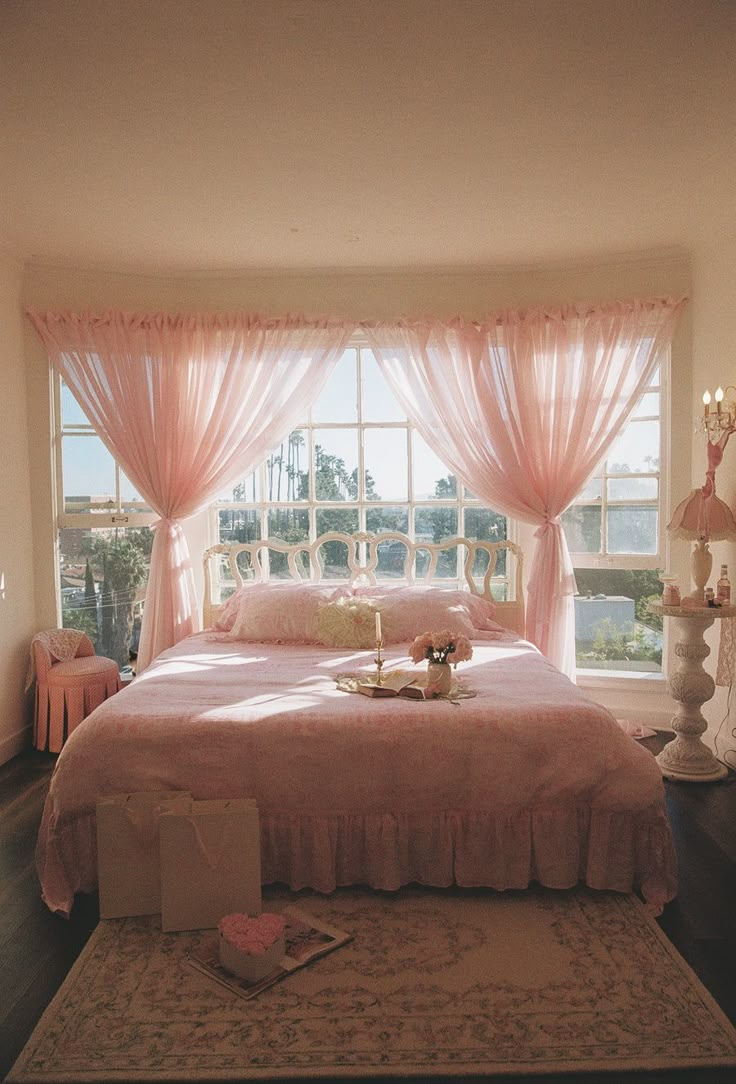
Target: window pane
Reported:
[(245, 491), (103, 574), (336, 464), (337, 519), (239, 525), (648, 405), (637, 449), (483, 524), (289, 525), (432, 480), (88, 475), (626, 489), (592, 490), (435, 525), (582, 526), (392, 556), (71, 412), (287, 469), (613, 628), (386, 465), (130, 498), (379, 402), (387, 519), (632, 529), (334, 555), (338, 401)]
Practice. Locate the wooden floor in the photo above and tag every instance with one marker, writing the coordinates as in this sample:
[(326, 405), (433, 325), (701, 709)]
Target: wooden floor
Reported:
[(37, 949)]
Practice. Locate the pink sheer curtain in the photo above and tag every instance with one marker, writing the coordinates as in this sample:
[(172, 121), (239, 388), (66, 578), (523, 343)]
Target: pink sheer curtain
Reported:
[(186, 404), (523, 407)]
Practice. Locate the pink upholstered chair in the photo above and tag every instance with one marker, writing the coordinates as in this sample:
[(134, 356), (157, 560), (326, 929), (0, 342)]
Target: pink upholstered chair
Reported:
[(70, 682)]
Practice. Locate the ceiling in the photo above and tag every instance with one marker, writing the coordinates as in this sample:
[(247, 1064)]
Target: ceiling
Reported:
[(224, 135)]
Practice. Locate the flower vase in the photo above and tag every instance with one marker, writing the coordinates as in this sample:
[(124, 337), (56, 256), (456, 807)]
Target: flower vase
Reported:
[(439, 678)]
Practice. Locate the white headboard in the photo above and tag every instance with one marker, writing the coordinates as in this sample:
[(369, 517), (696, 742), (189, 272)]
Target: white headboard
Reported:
[(305, 562)]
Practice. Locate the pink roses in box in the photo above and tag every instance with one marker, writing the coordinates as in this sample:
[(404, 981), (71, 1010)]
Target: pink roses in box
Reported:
[(252, 935), (444, 646)]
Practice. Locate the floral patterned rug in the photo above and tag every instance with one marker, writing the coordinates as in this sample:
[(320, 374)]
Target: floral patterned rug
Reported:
[(434, 982)]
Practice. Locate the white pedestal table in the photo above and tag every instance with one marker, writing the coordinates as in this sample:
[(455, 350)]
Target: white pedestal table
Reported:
[(687, 757)]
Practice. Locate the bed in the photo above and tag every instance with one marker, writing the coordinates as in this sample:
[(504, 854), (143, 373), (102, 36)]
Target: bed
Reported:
[(525, 780)]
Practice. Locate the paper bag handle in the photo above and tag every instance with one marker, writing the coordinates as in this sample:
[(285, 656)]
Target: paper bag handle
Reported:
[(213, 861), (144, 822)]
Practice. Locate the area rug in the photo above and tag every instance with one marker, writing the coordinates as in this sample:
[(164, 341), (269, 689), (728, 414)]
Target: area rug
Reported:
[(456, 982)]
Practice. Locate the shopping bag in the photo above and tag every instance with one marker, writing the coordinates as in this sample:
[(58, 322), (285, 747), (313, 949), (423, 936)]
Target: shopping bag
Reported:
[(210, 863), (128, 865)]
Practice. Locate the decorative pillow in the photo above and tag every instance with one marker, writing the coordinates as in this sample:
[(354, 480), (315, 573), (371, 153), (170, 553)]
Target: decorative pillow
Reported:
[(347, 622), (407, 612), (282, 612), (229, 611)]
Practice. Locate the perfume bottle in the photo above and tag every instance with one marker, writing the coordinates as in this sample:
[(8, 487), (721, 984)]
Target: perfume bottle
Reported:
[(723, 588)]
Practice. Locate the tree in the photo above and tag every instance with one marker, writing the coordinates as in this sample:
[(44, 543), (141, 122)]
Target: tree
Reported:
[(90, 600), (122, 559)]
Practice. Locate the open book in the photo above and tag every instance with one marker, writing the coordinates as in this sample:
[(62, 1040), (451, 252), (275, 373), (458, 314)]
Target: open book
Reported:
[(396, 683), (306, 940)]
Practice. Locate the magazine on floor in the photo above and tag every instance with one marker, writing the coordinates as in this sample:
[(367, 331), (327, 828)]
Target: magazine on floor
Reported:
[(306, 939)]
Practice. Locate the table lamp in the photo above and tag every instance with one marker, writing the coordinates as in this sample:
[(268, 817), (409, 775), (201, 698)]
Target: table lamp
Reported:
[(703, 517)]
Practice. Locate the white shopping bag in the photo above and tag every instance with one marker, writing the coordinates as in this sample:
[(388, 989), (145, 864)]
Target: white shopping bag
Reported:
[(210, 863), (128, 864)]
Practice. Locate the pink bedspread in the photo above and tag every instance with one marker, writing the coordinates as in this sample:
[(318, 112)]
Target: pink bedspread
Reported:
[(529, 780)]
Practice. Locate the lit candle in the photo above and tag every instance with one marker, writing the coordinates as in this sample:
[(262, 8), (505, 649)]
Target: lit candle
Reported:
[(719, 398), (706, 403), (379, 638)]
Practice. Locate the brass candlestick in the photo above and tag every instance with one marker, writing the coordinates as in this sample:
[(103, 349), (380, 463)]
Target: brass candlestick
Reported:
[(379, 661)]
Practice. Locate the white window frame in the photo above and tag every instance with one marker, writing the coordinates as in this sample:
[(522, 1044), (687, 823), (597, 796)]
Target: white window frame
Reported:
[(643, 680), (411, 503), (116, 516), (604, 559)]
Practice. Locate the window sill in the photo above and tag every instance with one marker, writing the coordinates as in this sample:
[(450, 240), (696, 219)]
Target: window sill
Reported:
[(644, 681)]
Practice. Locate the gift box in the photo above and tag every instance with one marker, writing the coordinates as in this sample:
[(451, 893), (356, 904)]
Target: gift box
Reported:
[(128, 862), (251, 948), (210, 863)]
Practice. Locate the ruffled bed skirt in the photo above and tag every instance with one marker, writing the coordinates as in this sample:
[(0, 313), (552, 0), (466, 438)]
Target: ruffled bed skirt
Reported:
[(557, 847)]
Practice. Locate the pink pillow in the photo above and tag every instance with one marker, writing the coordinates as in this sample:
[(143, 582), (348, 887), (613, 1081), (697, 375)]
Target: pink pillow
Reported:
[(282, 612), (406, 612), (229, 611)]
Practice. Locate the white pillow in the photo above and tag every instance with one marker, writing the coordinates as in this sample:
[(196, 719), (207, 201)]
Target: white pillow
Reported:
[(282, 612)]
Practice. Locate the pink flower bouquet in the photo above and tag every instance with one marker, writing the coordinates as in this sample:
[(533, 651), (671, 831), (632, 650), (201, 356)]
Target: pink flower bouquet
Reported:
[(444, 646)]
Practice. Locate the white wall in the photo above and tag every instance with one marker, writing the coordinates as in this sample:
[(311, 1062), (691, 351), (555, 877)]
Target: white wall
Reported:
[(714, 363), (17, 607), (356, 295)]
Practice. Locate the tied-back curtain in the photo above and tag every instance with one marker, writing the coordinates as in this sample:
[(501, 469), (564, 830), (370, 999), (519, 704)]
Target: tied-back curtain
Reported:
[(523, 407), (186, 404)]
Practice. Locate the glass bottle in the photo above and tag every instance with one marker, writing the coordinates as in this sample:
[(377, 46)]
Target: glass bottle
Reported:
[(723, 587)]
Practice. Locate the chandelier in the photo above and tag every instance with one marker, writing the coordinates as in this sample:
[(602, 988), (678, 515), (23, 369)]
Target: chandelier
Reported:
[(716, 420)]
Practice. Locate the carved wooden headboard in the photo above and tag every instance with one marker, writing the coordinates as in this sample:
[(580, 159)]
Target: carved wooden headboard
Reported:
[(411, 562)]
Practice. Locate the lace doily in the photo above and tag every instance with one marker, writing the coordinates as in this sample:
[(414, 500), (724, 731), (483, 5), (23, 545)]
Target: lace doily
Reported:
[(61, 644)]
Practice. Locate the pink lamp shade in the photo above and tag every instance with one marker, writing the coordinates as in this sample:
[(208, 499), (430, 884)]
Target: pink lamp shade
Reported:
[(703, 515), (706, 517)]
